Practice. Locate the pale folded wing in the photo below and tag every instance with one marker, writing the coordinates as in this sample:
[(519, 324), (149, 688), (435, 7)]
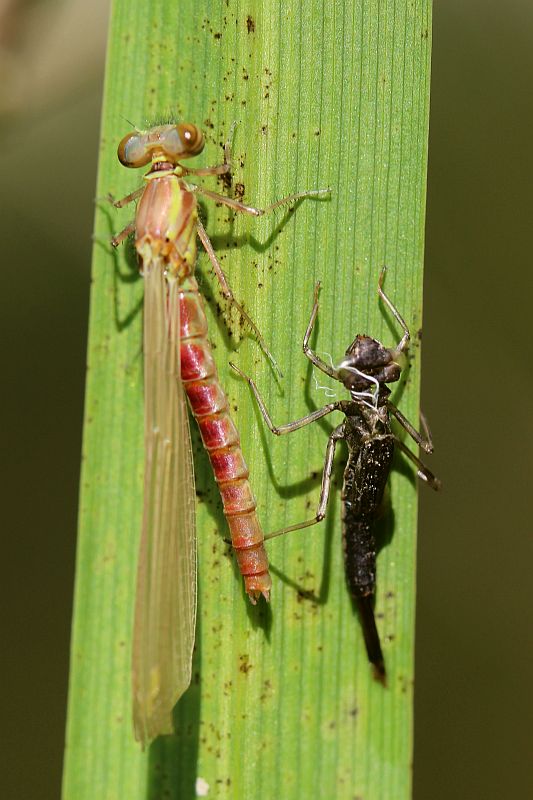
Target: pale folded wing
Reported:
[(165, 606)]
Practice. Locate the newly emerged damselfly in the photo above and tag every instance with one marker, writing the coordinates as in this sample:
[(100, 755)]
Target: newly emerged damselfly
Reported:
[(178, 361), (364, 371)]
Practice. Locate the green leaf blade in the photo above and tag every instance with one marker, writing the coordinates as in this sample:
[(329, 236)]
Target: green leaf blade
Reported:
[(283, 702)]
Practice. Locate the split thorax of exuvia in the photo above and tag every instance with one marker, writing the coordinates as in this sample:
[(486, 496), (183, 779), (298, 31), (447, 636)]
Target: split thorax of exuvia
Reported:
[(368, 363)]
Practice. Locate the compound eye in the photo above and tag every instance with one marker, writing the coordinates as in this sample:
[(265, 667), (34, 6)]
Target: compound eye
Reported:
[(132, 151), (192, 138), (170, 141)]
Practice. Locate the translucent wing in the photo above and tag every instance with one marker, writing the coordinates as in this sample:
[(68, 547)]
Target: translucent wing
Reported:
[(165, 606)]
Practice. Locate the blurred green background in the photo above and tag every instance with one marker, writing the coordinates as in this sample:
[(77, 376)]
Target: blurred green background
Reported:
[(474, 644)]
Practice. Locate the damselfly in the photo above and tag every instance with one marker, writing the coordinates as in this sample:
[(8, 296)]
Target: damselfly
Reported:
[(365, 370), (178, 362)]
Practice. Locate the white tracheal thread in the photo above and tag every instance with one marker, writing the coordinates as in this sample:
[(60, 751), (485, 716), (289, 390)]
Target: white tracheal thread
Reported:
[(327, 357), (373, 396), (328, 391)]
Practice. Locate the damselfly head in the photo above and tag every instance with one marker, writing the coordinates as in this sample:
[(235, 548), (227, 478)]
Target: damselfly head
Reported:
[(163, 143), (366, 362)]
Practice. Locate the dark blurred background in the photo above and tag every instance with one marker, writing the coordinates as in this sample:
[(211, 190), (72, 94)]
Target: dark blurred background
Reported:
[(474, 644), (473, 711)]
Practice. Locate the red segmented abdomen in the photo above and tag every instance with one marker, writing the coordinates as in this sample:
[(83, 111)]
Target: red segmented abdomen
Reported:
[(221, 440)]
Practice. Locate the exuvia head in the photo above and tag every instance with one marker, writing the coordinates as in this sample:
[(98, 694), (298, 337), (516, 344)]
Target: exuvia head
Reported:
[(366, 362), (163, 143)]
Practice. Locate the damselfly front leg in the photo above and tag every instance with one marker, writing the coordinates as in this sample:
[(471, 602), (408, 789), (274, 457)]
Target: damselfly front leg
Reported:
[(253, 210), (366, 369)]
